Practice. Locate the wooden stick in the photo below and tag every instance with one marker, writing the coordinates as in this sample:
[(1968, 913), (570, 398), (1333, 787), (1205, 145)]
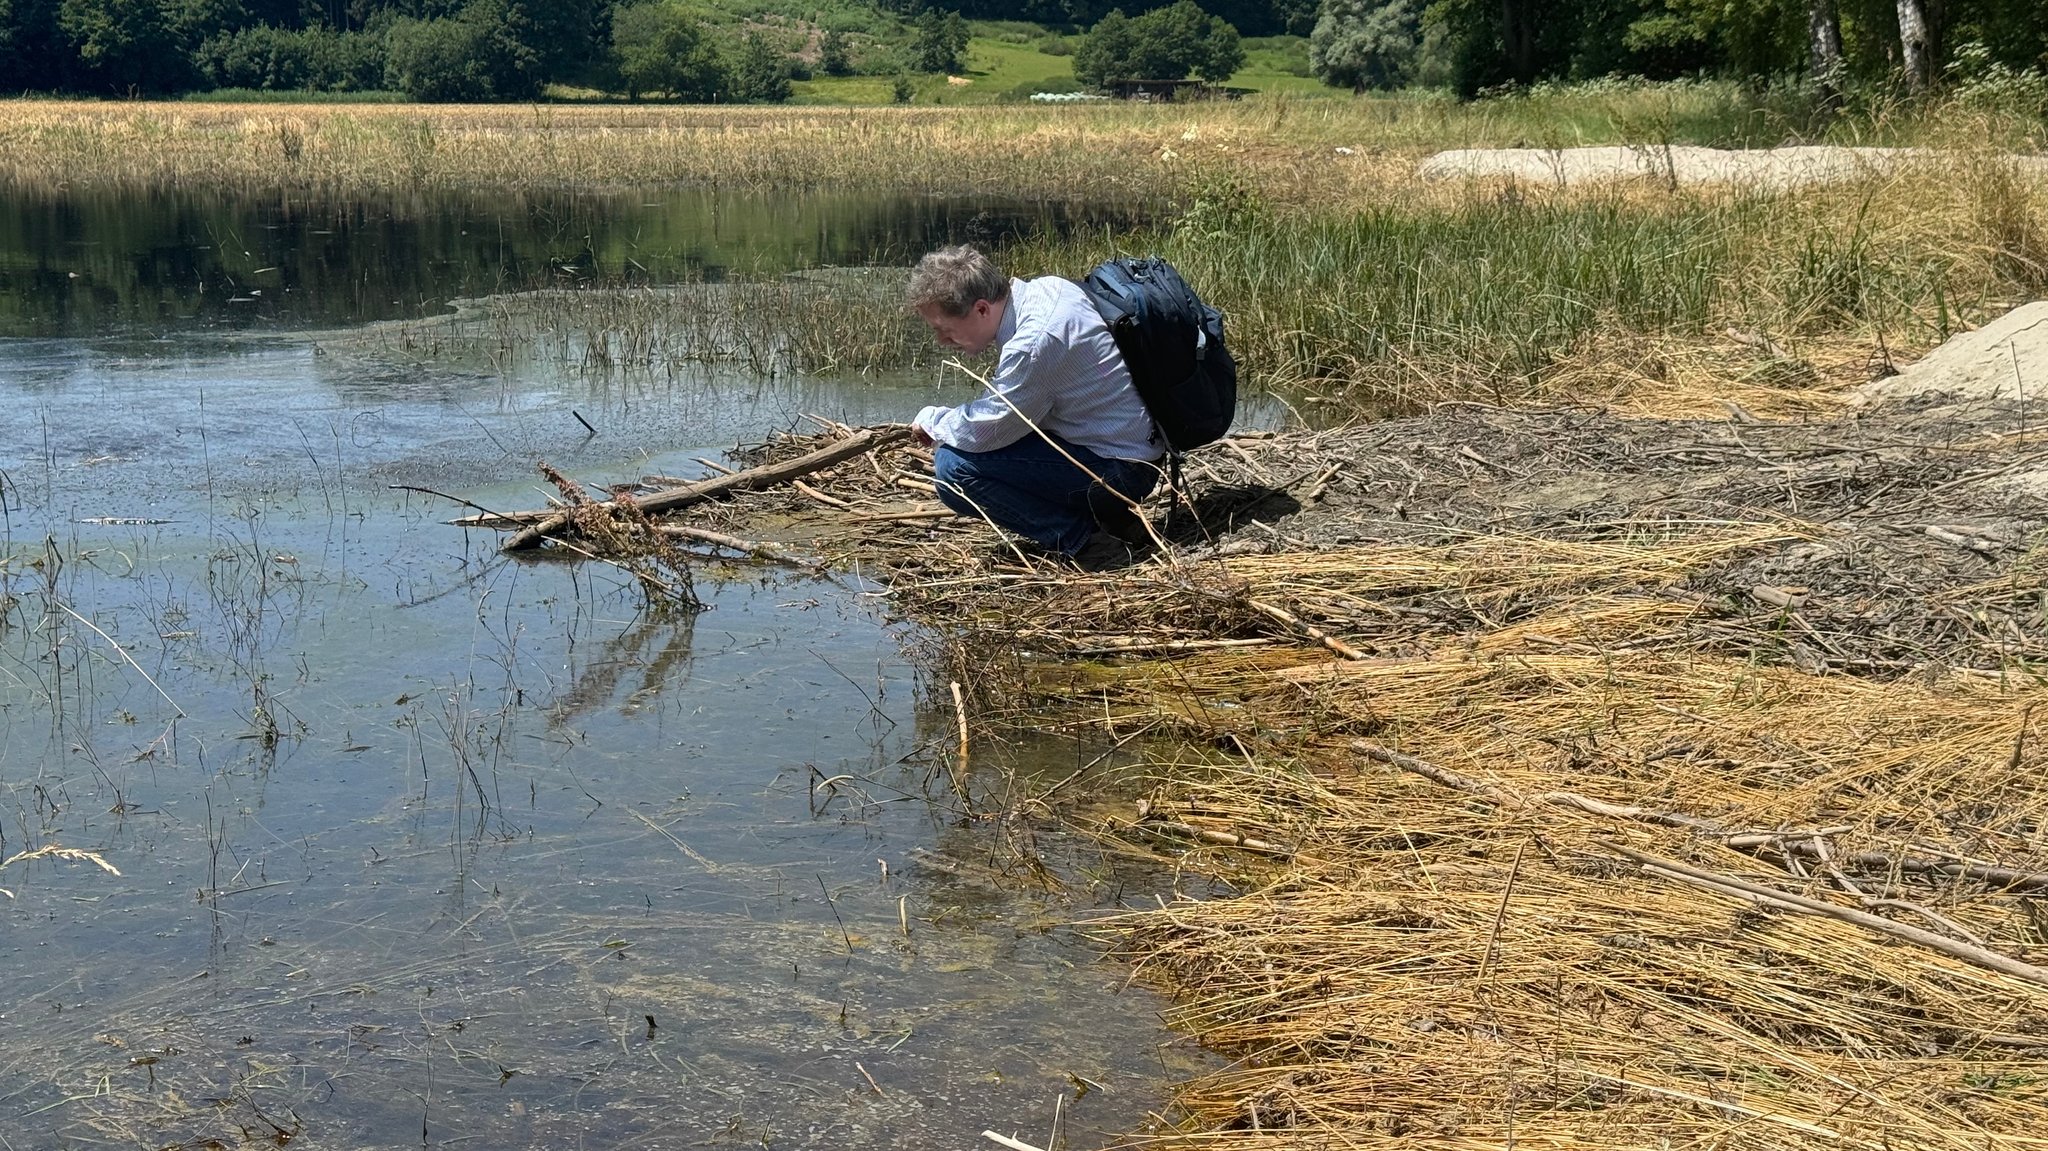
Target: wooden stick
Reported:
[(1313, 632), (821, 497), (906, 516), (1210, 835), (1012, 1144), (541, 524), (1125, 644), (1788, 901), (750, 547), (960, 765)]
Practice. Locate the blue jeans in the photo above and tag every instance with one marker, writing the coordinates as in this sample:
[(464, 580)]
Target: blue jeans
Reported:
[(1030, 489)]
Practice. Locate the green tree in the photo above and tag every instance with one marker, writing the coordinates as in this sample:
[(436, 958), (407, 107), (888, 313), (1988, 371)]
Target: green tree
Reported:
[(1170, 43), (660, 47), (124, 44), (570, 39), (1104, 53), (762, 76), (1360, 44), (315, 59), (940, 44), (482, 53), (34, 52), (833, 55)]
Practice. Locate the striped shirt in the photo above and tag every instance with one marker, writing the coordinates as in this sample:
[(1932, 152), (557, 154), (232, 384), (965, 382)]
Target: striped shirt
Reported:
[(1059, 369)]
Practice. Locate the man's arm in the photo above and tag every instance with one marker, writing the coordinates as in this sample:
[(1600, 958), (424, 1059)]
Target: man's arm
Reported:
[(1020, 391)]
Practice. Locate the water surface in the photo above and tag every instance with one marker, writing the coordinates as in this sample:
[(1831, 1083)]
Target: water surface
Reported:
[(422, 846)]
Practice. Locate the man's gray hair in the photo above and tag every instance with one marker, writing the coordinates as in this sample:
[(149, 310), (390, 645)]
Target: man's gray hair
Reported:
[(954, 278)]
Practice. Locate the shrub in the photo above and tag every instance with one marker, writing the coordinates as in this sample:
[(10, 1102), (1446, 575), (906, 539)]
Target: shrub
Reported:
[(762, 76), (1360, 44), (1982, 81)]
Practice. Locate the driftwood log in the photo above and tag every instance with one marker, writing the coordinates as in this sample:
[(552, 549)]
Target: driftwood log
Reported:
[(543, 523)]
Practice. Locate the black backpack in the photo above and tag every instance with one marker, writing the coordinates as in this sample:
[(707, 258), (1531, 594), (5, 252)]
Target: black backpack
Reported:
[(1173, 345)]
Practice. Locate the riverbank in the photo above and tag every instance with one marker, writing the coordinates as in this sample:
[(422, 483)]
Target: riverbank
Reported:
[(1586, 777)]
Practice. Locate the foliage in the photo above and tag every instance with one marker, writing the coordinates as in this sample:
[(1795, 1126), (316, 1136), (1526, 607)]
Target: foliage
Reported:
[(1983, 81), (1490, 43), (834, 58), (941, 42), (508, 49), (660, 47), (478, 54), (1360, 44), (121, 45), (292, 59), (1169, 43), (902, 90), (762, 75)]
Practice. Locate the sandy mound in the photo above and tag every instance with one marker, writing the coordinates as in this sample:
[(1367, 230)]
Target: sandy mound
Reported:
[(2006, 359), (1769, 168)]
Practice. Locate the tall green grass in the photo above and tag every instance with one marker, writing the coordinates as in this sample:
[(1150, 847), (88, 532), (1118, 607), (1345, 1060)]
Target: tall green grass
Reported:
[(1502, 297), (1490, 294)]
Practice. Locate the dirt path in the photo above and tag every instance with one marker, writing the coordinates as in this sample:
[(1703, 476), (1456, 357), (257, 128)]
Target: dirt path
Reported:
[(1774, 168)]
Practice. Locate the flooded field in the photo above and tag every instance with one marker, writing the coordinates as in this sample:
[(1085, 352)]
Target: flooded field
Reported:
[(417, 845)]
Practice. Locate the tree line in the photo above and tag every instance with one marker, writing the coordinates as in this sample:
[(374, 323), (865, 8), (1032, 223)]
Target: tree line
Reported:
[(684, 49), (1476, 45)]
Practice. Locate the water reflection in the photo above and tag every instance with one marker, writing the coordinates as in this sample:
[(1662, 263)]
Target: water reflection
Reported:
[(92, 263)]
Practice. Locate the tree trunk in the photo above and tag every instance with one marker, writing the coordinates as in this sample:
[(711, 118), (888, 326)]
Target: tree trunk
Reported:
[(1915, 45), (1518, 39), (1824, 48)]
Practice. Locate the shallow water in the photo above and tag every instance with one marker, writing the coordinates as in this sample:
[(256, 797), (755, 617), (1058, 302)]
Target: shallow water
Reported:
[(422, 846)]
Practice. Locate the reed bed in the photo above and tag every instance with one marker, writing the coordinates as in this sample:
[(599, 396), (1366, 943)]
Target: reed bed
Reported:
[(1431, 964), (1122, 150)]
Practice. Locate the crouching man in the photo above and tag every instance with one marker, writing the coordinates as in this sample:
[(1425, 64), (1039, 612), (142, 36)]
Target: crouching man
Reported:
[(1060, 390)]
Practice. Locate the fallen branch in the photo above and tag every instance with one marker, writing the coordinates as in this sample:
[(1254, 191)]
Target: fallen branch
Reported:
[(1149, 819), (1312, 631), (544, 523), (734, 543)]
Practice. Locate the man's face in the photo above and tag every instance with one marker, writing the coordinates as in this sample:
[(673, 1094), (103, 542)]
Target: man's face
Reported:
[(971, 333)]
